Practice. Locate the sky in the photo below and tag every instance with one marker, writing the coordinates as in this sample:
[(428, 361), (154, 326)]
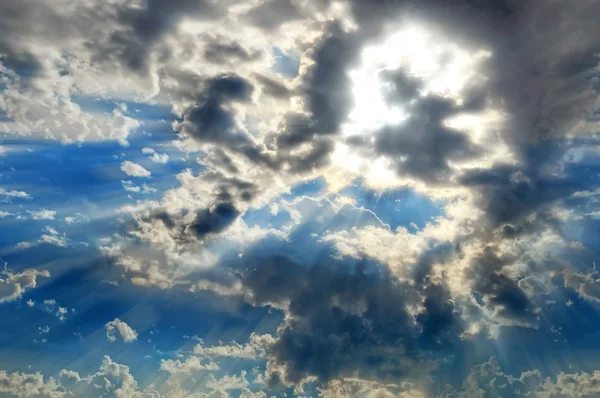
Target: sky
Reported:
[(299, 198)]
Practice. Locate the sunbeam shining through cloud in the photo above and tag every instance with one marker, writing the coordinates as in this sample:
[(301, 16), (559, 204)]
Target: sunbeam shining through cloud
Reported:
[(299, 198)]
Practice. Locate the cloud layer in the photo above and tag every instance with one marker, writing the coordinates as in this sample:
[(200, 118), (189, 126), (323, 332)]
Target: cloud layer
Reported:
[(482, 108)]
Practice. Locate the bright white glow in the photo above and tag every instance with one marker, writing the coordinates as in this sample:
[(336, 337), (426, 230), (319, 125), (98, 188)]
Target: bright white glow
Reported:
[(444, 68), (370, 111)]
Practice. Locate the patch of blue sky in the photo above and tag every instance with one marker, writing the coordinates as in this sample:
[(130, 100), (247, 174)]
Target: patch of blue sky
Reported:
[(137, 110), (155, 119), (76, 176), (568, 339), (286, 63), (397, 207), (318, 213), (582, 169), (266, 218), (310, 188), (273, 215), (161, 319)]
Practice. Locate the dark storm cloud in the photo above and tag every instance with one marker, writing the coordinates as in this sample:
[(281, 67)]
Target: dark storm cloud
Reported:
[(208, 121), (142, 27), (422, 146), (327, 88), (348, 318), (500, 292), (509, 195), (214, 219)]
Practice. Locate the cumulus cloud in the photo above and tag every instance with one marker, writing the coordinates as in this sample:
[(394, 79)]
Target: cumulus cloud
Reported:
[(123, 329), (110, 378), (14, 194), (134, 169), (14, 284), (190, 365), (254, 349), (587, 285), (156, 157), (488, 379), (43, 214)]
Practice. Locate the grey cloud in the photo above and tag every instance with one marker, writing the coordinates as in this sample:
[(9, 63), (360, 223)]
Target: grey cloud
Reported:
[(220, 51), (208, 120), (422, 146), (327, 89), (272, 87), (327, 83), (270, 14), (214, 219), (501, 294), (142, 27), (349, 319)]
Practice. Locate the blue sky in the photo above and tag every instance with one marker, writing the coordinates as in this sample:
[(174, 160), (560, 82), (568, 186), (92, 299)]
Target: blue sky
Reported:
[(271, 199)]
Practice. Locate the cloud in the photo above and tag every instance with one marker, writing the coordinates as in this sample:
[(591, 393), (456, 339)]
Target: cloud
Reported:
[(342, 319), (489, 379), (214, 219), (160, 158), (14, 194), (43, 214), (54, 240), (472, 103), (14, 284), (187, 367), (156, 157), (254, 349), (115, 379), (134, 169), (225, 383), (125, 331), (587, 285), (110, 378)]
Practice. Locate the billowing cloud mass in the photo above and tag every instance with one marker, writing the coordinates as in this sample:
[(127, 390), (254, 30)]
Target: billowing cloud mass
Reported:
[(400, 189), (119, 327)]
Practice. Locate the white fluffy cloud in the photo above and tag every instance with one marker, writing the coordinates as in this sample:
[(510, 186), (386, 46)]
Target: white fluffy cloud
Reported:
[(187, 367), (156, 157), (134, 169), (121, 328), (43, 214), (14, 194), (14, 284), (254, 349)]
